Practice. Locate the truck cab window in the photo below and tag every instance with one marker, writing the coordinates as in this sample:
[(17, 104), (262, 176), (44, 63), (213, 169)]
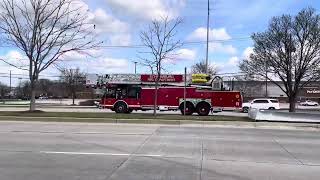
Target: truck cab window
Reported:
[(134, 92), (121, 93), (110, 93)]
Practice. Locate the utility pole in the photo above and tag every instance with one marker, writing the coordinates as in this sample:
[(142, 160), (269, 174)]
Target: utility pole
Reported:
[(185, 91), (135, 67), (266, 78), (208, 22), (10, 85)]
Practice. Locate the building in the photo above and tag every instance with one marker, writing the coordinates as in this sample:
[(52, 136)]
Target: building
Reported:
[(258, 89)]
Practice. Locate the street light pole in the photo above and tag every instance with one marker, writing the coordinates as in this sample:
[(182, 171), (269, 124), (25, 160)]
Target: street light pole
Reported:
[(135, 67)]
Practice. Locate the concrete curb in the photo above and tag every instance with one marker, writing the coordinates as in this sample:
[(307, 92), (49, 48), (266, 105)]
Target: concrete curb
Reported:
[(229, 124), (102, 120)]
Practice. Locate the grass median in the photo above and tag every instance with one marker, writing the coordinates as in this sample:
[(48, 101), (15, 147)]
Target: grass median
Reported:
[(110, 117)]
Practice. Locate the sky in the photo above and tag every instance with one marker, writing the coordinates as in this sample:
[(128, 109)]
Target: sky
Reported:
[(119, 23)]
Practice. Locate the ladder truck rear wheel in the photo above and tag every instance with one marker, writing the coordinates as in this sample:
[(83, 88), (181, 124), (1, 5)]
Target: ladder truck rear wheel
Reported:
[(203, 109), (129, 111), (121, 107), (189, 108)]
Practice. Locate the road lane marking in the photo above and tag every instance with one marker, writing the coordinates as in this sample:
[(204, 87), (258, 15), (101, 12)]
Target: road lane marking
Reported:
[(101, 154)]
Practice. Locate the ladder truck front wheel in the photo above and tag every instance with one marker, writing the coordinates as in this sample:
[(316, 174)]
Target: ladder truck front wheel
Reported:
[(203, 109), (121, 107)]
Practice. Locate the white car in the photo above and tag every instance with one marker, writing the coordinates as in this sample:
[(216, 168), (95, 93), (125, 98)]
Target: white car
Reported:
[(261, 104), (309, 103), (96, 103)]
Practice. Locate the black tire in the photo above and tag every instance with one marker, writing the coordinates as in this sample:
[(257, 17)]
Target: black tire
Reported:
[(121, 107), (129, 111), (203, 109), (245, 109), (189, 108), (272, 108)]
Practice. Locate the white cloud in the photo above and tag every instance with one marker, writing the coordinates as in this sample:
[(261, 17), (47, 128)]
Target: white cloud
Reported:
[(234, 61), (98, 62), (182, 55), (15, 58), (117, 31), (230, 65), (73, 56), (106, 23), (217, 35), (247, 52), (214, 34), (112, 63), (120, 39), (103, 65), (217, 66), (147, 9), (222, 48), (186, 54)]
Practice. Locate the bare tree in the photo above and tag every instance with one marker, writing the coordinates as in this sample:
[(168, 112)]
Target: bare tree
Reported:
[(44, 30), (44, 86), (23, 90), (74, 80), (201, 68), (4, 90), (160, 40), (290, 51)]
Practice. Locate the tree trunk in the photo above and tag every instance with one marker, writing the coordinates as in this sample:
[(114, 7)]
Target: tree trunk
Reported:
[(155, 100), (73, 97), (33, 99), (292, 102)]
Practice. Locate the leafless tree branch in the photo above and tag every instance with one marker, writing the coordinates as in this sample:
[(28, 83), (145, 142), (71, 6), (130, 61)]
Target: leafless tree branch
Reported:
[(45, 30), (289, 50), (160, 40)]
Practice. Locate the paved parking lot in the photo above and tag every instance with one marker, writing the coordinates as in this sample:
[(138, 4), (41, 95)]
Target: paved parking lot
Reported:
[(38, 151)]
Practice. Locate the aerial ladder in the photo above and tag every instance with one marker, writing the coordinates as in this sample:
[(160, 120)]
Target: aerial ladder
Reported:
[(202, 81)]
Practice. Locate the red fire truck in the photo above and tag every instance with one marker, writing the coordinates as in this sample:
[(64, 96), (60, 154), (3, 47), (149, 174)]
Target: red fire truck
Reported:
[(124, 94)]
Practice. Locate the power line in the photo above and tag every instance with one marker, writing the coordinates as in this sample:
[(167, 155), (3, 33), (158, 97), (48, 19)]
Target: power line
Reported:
[(136, 46), (25, 75), (184, 43)]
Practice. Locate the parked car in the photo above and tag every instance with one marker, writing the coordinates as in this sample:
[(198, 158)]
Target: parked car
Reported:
[(43, 97), (97, 103), (309, 103), (261, 104)]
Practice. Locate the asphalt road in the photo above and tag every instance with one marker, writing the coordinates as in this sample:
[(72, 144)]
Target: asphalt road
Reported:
[(74, 151)]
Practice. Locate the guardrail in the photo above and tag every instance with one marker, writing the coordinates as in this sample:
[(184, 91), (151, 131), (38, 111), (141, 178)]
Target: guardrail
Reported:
[(275, 115)]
